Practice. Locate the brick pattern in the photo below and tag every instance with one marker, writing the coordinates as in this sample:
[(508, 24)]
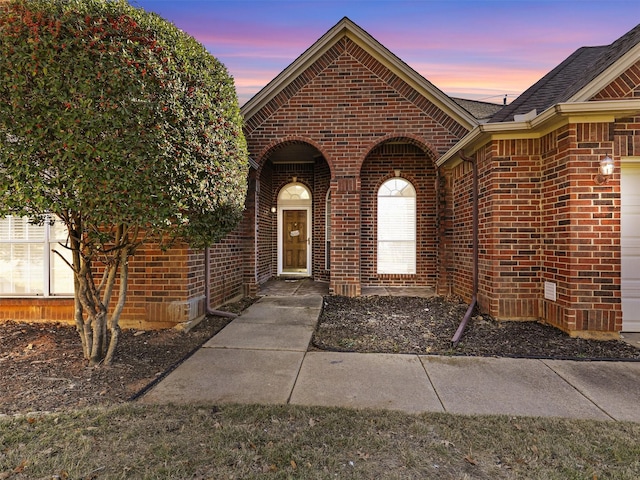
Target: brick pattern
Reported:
[(586, 230), (248, 231), (416, 167), (36, 309), (347, 104), (226, 277), (266, 226), (322, 179), (542, 218), (626, 85), (165, 288)]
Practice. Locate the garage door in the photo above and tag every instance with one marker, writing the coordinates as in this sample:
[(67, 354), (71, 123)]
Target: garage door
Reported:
[(630, 246)]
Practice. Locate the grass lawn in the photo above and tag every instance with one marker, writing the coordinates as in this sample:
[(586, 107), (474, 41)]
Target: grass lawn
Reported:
[(247, 441)]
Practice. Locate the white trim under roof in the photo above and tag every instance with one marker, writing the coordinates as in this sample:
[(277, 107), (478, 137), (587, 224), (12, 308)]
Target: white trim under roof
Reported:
[(608, 76), (550, 119)]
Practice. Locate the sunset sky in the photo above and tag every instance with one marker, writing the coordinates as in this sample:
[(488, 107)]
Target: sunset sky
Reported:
[(479, 49)]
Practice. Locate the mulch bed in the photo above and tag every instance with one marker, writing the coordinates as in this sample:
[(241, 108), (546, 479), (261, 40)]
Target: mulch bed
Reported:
[(426, 326)]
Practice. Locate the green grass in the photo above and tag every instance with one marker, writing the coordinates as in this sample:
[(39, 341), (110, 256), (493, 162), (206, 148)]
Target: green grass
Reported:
[(281, 442)]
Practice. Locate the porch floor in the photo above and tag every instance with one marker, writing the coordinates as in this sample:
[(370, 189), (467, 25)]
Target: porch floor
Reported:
[(279, 287)]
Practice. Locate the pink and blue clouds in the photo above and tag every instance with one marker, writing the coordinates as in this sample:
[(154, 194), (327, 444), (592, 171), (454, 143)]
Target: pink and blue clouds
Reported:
[(481, 49)]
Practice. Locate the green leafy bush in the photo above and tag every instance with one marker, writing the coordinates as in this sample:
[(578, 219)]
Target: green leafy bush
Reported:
[(123, 127)]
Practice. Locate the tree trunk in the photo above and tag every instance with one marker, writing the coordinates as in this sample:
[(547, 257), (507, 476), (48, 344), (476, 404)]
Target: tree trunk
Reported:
[(99, 332), (114, 321)]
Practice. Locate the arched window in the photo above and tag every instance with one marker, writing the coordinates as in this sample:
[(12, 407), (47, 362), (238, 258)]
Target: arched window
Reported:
[(397, 227), (293, 192)]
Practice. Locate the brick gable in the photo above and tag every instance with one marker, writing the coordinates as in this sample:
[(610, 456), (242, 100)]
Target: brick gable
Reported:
[(350, 107), (349, 99), (626, 85)]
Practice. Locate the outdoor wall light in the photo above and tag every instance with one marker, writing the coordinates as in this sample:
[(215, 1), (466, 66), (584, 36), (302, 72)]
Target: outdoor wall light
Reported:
[(605, 170), (273, 209)]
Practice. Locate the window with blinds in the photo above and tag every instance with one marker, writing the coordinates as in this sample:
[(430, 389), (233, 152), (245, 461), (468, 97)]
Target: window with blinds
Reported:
[(396, 227), (28, 264)]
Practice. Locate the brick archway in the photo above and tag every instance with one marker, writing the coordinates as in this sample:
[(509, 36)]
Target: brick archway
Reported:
[(411, 159)]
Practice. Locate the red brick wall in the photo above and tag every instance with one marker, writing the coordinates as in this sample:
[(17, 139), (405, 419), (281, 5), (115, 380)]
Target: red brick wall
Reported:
[(165, 288), (416, 167), (626, 85), (157, 295), (226, 277), (445, 225), (513, 237), (459, 249), (588, 229), (508, 230), (248, 229), (267, 244), (322, 178), (346, 104), (543, 218)]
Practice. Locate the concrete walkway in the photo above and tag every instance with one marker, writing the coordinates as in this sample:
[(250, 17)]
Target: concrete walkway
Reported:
[(261, 357)]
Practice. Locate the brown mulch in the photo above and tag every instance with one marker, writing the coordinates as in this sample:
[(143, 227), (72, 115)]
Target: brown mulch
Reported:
[(42, 368), (426, 326)]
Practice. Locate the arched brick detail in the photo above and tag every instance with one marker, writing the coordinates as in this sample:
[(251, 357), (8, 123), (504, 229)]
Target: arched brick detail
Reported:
[(279, 143), (415, 160), (408, 138)]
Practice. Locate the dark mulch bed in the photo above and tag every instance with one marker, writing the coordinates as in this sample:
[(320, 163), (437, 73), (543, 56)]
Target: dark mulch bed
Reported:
[(426, 326), (42, 367)]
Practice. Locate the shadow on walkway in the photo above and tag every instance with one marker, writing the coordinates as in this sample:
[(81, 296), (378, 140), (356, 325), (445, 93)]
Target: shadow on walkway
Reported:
[(282, 287)]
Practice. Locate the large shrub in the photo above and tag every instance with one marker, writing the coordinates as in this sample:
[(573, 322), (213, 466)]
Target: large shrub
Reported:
[(124, 128)]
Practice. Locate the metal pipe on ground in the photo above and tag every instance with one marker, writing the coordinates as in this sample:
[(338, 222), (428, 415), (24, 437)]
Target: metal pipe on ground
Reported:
[(475, 220)]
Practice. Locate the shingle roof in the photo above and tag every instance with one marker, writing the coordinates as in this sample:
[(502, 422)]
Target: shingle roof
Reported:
[(568, 78), (480, 110)]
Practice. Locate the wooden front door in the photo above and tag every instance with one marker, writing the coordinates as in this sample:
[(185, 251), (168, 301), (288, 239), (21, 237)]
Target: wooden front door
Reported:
[(294, 241)]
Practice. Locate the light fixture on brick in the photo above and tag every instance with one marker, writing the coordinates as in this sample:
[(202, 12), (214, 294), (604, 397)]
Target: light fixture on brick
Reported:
[(605, 170)]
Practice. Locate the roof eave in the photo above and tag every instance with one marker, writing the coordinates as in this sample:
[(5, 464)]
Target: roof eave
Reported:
[(549, 120), (607, 76)]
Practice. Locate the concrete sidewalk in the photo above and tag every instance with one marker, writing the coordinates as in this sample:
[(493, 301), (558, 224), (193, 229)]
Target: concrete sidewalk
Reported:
[(262, 357)]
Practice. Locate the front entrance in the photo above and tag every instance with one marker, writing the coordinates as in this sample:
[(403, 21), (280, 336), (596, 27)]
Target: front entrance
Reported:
[(294, 241), (294, 230)]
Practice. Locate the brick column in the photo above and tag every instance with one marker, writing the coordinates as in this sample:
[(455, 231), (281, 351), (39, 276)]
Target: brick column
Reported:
[(345, 236), (248, 228)]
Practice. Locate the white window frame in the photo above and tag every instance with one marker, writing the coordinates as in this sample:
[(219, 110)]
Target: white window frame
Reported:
[(390, 194), (48, 244), (327, 232)]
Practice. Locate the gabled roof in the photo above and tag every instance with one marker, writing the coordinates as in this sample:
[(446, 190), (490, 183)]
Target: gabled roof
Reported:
[(346, 27), (578, 78)]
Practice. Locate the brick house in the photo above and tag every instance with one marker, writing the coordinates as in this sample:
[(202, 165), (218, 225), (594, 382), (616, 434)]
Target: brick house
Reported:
[(362, 175)]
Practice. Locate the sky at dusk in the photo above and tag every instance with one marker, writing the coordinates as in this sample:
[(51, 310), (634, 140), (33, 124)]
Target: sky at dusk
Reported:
[(479, 49)]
